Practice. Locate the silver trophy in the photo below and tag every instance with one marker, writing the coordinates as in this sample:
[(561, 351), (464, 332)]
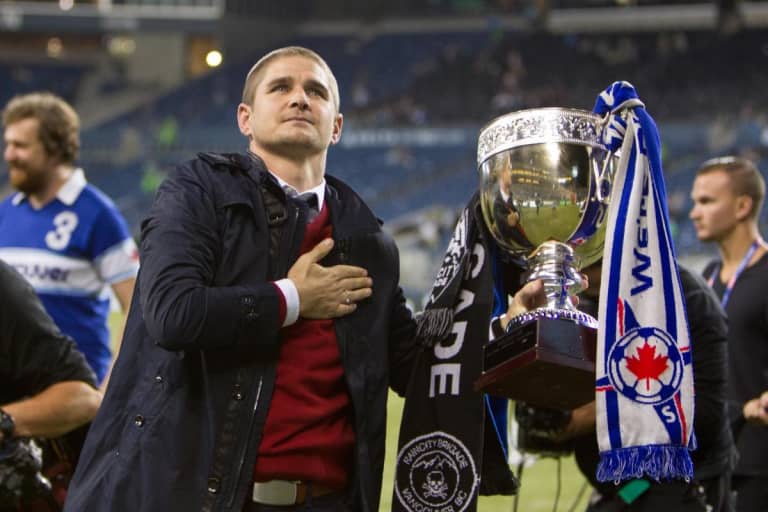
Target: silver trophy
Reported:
[(544, 187)]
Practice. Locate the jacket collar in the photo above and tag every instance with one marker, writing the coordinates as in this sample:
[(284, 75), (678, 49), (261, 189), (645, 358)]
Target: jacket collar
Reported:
[(319, 190)]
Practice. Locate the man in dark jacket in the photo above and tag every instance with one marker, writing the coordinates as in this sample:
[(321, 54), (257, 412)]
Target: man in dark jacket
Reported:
[(256, 359), (258, 351), (47, 388)]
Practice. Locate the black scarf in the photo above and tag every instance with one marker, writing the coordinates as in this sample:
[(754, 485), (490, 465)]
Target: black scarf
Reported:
[(447, 441)]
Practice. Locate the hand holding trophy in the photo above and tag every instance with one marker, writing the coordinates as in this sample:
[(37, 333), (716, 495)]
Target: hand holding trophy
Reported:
[(544, 187)]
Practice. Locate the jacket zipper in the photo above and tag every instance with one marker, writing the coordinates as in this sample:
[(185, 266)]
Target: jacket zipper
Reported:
[(241, 463), (280, 272)]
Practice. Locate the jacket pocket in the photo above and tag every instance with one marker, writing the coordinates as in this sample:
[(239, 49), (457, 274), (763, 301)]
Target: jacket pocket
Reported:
[(154, 389)]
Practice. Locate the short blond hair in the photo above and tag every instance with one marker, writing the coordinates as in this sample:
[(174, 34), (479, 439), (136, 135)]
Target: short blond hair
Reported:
[(59, 130), (744, 176), (254, 75)]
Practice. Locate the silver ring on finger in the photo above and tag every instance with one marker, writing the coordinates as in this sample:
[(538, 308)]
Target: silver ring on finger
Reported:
[(347, 299)]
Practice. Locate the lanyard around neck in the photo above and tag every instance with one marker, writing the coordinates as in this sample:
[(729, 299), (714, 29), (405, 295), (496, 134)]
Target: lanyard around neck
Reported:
[(735, 276)]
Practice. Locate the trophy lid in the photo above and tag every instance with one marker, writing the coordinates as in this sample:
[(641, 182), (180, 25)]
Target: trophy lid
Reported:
[(538, 125)]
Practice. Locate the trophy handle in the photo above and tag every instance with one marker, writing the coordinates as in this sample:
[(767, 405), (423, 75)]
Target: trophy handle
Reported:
[(603, 178), (604, 172)]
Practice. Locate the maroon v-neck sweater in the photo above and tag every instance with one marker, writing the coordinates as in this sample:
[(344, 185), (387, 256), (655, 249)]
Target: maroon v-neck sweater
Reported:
[(308, 434)]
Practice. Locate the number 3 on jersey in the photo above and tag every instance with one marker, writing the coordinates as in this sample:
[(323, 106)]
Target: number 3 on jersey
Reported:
[(64, 224)]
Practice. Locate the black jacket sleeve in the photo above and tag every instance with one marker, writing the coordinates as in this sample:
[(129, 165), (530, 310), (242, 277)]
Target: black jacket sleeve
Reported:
[(709, 334), (403, 348), (181, 251), (35, 354)]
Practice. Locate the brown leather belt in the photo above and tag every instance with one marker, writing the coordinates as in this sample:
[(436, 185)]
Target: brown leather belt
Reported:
[(285, 492)]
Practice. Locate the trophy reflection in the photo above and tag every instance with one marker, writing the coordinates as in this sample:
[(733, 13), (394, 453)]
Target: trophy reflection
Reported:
[(544, 183)]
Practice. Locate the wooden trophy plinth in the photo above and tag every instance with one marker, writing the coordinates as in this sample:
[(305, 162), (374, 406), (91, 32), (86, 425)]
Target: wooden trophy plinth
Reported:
[(546, 362)]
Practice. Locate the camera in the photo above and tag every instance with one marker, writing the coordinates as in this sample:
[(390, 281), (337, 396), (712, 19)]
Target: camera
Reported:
[(539, 428), (21, 461)]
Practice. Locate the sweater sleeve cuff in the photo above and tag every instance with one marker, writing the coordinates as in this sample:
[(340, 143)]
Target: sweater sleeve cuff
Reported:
[(496, 329), (289, 307)]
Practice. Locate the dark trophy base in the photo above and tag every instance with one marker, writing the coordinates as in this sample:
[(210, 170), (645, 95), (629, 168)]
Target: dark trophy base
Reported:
[(546, 363)]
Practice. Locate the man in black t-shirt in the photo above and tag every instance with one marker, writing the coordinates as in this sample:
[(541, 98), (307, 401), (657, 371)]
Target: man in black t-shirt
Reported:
[(727, 198), (47, 388)]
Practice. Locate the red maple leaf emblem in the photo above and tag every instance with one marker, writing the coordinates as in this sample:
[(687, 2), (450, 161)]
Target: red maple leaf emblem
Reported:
[(647, 365)]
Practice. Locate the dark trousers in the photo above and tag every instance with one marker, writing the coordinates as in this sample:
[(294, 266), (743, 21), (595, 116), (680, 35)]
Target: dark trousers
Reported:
[(719, 493), (751, 493)]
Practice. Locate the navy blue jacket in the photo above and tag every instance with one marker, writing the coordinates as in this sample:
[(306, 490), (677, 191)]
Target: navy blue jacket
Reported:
[(182, 418)]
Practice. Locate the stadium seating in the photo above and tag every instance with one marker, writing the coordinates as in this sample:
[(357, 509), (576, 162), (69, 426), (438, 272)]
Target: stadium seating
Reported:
[(433, 81), (23, 76)]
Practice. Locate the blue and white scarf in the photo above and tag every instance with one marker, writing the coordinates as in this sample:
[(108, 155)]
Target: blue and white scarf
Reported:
[(644, 386)]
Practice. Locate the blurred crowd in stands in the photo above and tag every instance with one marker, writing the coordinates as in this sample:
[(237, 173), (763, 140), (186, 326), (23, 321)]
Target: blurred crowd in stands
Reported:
[(705, 91)]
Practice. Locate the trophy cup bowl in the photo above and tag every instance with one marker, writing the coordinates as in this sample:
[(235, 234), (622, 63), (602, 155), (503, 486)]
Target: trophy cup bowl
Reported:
[(544, 183)]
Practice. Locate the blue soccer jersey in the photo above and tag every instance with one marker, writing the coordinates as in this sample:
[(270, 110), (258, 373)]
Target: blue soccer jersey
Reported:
[(70, 251)]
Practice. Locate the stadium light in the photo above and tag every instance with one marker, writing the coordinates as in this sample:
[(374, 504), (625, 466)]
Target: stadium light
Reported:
[(213, 58), (120, 46), (54, 47)]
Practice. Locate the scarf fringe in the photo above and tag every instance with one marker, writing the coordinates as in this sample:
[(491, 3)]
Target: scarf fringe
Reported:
[(659, 462), (434, 325)]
